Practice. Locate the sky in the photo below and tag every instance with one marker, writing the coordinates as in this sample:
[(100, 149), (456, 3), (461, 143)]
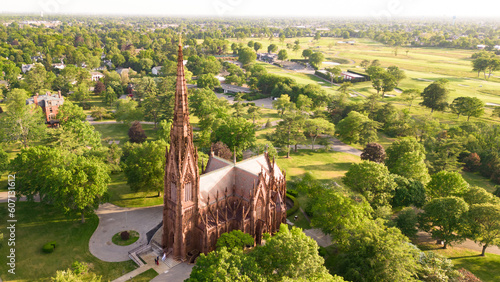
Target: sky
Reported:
[(376, 9)]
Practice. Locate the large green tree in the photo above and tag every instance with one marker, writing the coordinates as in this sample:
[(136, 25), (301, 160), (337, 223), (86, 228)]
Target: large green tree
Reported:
[(447, 183), (435, 95), (144, 165), (406, 157), (484, 224), (127, 111), (246, 56), (237, 133), (443, 218), (467, 106), (317, 127), (372, 180), (357, 128), (235, 239)]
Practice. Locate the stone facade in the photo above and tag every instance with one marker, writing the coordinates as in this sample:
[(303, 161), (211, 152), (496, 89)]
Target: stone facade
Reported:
[(248, 195)]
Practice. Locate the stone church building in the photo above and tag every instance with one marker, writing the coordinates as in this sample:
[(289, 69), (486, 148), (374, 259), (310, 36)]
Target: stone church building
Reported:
[(248, 195)]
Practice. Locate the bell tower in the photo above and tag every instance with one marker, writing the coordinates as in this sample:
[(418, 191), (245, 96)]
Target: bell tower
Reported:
[(181, 180)]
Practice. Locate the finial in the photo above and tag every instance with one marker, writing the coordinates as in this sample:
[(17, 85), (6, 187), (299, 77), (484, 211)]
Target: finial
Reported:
[(234, 155), (180, 39)]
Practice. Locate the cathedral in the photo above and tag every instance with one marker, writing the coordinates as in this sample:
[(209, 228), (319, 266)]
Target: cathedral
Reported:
[(247, 195)]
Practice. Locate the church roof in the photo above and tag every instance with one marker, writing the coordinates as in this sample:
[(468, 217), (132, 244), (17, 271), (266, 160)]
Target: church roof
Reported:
[(221, 174)]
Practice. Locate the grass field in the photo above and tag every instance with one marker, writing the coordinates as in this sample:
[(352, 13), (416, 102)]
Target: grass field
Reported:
[(483, 267), (146, 276), (121, 195), (322, 165), (38, 224)]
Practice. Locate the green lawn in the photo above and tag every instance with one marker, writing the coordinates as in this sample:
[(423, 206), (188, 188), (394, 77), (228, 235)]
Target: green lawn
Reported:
[(485, 268), (322, 165), (119, 132), (146, 276), (121, 195), (38, 224), (475, 179)]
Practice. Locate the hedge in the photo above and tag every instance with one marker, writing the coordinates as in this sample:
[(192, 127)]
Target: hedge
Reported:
[(49, 247), (295, 207)]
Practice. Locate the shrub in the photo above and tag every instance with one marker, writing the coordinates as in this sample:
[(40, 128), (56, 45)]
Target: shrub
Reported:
[(406, 221), (268, 124), (292, 192), (125, 235), (49, 247), (295, 207)]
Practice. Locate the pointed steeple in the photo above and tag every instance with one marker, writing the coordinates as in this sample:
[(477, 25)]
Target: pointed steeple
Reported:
[(181, 111)]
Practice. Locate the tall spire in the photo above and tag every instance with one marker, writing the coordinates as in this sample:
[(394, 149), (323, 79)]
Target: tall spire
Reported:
[(181, 111)]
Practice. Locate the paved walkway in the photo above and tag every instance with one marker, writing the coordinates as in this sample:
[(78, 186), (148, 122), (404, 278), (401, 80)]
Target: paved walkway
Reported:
[(468, 244), (132, 274), (178, 273), (113, 219), (5, 195)]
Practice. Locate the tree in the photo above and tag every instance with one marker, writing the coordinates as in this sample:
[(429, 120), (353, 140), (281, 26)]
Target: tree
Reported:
[(73, 183), (364, 63), (316, 59), (334, 72), (410, 95), (76, 136), (163, 132), (337, 214), (282, 103), (389, 82), (257, 46), (306, 53), (289, 131), (235, 239), (446, 184), (82, 96), (4, 160), (304, 103), (221, 150), (207, 81), (109, 96), (118, 59), (37, 79), (237, 133), (406, 221), (246, 56), (398, 74), (373, 152), (79, 272), (21, 122), (98, 112), (136, 133), (443, 217), (144, 165), (282, 55), (223, 265), (272, 48), (409, 192), (377, 253), (99, 87), (372, 180), (478, 195), (346, 34), (357, 128), (344, 88), (435, 96), (406, 157), (291, 255), (205, 105), (317, 127), (127, 111), (472, 162), (254, 113), (468, 106), (484, 224)]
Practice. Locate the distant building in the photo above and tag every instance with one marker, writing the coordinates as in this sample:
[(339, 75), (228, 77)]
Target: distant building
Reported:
[(122, 70), (59, 66), (267, 57), (481, 46), (95, 76), (27, 68), (496, 47), (156, 70), (349, 75), (50, 105)]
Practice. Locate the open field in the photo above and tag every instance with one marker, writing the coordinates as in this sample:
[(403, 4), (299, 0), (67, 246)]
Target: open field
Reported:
[(38, 224), (483, 267)]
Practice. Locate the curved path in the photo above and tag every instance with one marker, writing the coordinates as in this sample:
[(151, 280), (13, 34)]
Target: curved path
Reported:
[(113, 219)]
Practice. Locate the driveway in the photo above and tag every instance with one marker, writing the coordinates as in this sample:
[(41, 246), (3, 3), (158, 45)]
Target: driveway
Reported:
[(178, 273), (113, 219)]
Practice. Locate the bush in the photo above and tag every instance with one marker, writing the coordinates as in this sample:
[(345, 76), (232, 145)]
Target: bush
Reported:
[(292, 192), (125, 235), (406, 221), (295, 207), (49, 247)]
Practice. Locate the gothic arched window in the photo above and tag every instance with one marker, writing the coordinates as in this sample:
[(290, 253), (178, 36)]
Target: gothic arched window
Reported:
[(173, 191), (188, 192)]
